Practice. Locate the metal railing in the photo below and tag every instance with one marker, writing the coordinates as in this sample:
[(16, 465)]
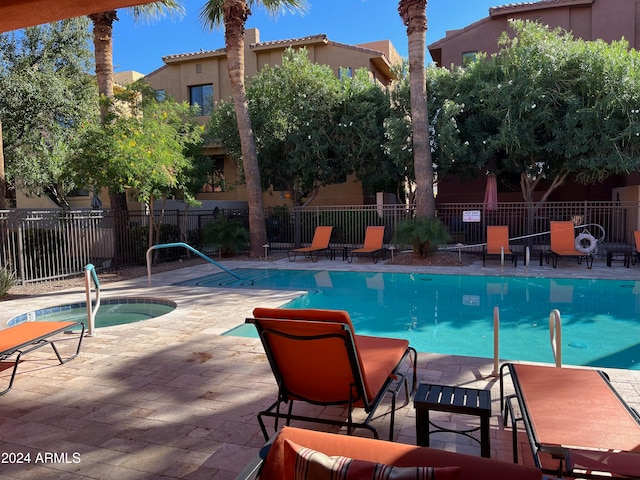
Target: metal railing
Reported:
[(90, 275), (40, 245), (192, 250)]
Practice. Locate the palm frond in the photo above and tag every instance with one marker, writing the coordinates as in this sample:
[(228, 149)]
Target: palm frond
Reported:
[(160, 9)]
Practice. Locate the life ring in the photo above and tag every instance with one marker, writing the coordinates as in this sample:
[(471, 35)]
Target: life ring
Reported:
[(586, 243)]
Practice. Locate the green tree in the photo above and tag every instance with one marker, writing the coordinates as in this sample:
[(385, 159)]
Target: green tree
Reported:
[(414, 16), (47, 92), (291, 108), (358, 133), (397, 130), (103, 48), (546, 107), (233, 15), (151, 154), (311, 128)]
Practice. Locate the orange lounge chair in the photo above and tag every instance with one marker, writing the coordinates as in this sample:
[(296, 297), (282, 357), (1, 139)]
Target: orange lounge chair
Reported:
[(277, 459), (497, 240), (373, 241), (317, 358), (635, 255), (576, 423), (563, 244), (28, 336), (320, 242)]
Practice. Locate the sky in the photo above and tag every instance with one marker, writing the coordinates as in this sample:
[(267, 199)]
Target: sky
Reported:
[(140, 45)]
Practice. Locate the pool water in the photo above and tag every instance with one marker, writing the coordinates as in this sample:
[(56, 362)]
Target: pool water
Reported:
[(112, 312), (453, 314)]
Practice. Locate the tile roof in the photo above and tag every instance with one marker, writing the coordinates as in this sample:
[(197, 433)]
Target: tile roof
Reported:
[(206, 53), (541, 4)]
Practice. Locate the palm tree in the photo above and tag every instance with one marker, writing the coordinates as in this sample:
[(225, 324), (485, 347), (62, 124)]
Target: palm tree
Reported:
[(103, 47), (233, 15), (414, 17)]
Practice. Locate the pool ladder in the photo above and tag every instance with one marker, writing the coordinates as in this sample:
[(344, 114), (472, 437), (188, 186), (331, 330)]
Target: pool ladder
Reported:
[(555, 337), (92, 309)]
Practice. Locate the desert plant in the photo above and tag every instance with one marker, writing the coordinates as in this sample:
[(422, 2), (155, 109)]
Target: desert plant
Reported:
[(230, 236), (7, 280), (424, 235)]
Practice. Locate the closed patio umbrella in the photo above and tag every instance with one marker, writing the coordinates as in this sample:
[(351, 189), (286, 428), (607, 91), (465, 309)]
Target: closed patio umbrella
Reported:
[(491, 193)]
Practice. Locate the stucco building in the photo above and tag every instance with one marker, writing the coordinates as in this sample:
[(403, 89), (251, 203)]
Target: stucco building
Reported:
[(201, 78)]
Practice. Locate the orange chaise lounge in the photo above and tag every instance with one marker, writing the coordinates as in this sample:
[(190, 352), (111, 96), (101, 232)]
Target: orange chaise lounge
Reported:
[(373, 244), (285, 459), (498, 243), (320, 243), (26, 337), (317, 358), (577, 425), (563, 244)]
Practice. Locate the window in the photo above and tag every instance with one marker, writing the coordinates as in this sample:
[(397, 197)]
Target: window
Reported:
[(215, 175), (202, 96), (469, 57), (345, 72), (160, 95)]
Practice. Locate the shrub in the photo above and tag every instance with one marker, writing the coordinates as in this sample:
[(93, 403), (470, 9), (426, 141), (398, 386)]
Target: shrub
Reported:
[(7, 280), (230, 236), (424, 235)]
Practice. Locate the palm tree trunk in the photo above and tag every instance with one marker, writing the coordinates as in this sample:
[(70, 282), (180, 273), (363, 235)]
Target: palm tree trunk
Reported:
[(235, 16), (414, 16), (103, 51), (103, 48)]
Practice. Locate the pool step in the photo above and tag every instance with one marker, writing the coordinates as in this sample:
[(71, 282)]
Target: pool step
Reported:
[(223, 279)]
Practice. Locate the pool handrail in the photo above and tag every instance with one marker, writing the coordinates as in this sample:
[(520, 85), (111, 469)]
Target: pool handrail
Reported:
[(496, 342), (555, 335), (92, 310), (191, 249)]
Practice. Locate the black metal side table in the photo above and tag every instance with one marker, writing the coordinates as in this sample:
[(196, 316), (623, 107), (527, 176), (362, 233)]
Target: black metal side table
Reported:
[(466, 401), (624, 251)]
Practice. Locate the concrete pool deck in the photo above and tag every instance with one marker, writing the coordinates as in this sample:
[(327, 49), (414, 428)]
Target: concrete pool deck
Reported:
[(172, 398)]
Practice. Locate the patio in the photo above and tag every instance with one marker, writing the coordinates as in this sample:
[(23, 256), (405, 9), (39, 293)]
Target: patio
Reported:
[(172, 398)]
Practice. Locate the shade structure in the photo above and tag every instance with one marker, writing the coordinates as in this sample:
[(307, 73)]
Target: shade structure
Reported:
[(491, 193), (16, 14)]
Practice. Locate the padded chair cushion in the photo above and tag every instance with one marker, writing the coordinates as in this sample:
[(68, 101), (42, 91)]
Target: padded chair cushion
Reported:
[(310, 464), (377, 356)]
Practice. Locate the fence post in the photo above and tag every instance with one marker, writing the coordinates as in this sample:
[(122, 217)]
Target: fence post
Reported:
[(297, 227), (21, 254)]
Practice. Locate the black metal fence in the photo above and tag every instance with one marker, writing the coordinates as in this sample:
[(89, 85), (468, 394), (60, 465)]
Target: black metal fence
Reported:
[(47, 244)]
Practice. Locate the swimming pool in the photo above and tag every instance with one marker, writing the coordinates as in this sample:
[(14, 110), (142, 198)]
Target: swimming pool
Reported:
[(453, 314), (114, 311)]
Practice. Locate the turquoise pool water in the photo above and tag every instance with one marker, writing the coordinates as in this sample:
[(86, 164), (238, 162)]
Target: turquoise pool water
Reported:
[(453, 314), (116, 311)]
